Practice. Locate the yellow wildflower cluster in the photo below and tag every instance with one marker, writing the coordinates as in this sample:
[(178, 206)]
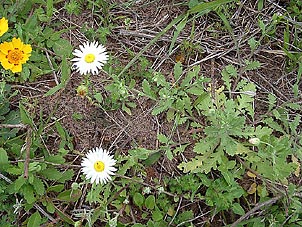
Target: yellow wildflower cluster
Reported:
[(15, 53)]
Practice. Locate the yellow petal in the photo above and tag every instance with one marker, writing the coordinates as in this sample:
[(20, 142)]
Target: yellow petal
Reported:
[(2, 56), (27, 49), (17, 43), (5, 47), (6, 65), (3, 26), (17, 68)]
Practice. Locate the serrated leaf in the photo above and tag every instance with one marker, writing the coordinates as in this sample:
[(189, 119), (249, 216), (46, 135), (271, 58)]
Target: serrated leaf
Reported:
[(252, 65), (34, 220), (38, 186), (19, 183), (294, 124), (177, 71), (164, 105), (274, 125), (162, 138), (147, 90), (28, 193)]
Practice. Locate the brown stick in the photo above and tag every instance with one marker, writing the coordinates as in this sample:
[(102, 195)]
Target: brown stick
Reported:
[(257, 207), (12, 126)]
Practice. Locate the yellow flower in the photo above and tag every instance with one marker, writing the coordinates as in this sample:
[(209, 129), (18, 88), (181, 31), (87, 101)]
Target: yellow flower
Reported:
[(13, 54), (3, 26)]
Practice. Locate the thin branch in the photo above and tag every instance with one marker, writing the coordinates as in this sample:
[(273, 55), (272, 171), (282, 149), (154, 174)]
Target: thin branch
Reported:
[(258, 206), (12, 126)]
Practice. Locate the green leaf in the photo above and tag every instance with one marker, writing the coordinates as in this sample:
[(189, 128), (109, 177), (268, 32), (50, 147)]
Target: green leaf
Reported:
[(34, 220), (152, 159), (162, 138), (28, 193), (3, 159), (157, 215), (179, 28), (260, 5), (138, 199), (150, 202), (65, 217), (70, 195), (60, 130), (54, 90), (55, 188), (252, 65), (207, 6), (237, 209), (177, 71), (253, 43), (62, 47), (25, 116), (141, 153), (148, 90), (98, 97), (51, 174), (19, 183), (65, 71), (67, 175), (49, 9), (38, 186), (56, 159)]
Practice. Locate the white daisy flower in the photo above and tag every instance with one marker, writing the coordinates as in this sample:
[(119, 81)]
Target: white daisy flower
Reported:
[(89, 58), (98, 166)]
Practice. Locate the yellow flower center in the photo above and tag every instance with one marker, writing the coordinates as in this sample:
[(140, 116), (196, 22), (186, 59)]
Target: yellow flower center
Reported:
[(99, 166), (89, 58), (15, 56)]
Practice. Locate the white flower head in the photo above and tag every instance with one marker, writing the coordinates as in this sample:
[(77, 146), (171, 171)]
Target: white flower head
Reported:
[(98, 166), (89, 58)]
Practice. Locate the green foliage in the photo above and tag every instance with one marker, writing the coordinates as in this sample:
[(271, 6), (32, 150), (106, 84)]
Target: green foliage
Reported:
[(174, 96), (227, 173)]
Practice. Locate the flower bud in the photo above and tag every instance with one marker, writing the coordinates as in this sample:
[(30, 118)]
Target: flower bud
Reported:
[(255, 141), (82, 90)]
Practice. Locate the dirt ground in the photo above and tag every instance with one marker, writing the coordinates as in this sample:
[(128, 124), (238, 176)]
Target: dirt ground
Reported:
[(118, 131)]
